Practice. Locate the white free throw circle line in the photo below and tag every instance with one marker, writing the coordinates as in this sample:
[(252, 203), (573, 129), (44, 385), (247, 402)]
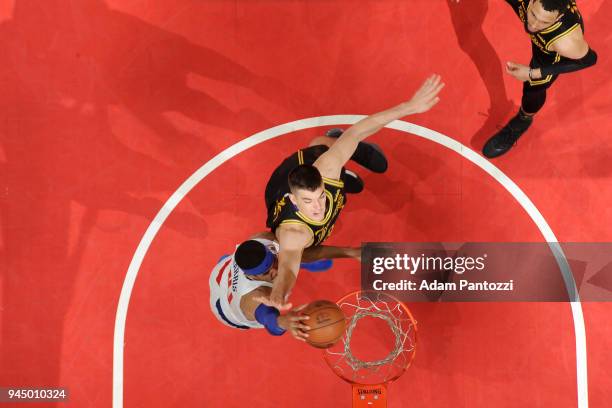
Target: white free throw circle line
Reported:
[(333, 120)]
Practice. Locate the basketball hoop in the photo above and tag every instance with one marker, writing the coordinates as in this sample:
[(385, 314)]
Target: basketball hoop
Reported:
[(377, 347)]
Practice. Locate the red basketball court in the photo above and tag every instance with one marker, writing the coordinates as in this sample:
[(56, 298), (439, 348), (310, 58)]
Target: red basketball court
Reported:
[(108, 107)]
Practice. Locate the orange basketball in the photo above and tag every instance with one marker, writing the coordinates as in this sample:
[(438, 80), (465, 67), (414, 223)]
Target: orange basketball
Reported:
[(327, 323)]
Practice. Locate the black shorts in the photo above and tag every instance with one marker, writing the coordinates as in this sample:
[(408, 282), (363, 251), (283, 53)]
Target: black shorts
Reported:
[(538, 84)]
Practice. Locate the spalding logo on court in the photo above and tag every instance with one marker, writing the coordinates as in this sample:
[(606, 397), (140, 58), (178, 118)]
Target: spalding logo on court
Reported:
[(371, 391)]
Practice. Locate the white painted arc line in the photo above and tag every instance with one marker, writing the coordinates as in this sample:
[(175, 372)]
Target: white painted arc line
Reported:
[(151, 232), (509, 185), (194, 179)]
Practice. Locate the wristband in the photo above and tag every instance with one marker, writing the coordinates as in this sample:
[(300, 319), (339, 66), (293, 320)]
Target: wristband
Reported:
[(268, 316)]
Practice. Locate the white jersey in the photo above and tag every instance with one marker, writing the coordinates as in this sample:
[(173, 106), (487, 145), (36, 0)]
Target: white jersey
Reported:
[(228, 284)]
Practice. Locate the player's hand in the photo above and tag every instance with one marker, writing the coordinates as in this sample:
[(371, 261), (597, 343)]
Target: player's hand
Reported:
[(426, 96), (273, 302), (278, 295), (519, 71), (295, 323)]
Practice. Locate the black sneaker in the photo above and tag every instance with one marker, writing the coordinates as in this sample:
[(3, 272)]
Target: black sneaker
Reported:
[(507, 137), (353, 184), (368, 155)]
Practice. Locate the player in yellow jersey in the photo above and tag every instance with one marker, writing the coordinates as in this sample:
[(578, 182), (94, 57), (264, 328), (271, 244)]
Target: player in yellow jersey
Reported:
[(303, 213), (556, 30)]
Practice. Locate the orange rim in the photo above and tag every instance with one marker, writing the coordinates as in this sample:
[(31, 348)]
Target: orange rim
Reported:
[(412, 320)]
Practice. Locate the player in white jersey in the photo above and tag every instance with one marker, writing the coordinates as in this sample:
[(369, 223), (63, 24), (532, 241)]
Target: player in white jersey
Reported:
[(240, 279)]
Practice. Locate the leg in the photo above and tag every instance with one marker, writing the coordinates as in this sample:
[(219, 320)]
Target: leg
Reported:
[(533, 100), (534, 97)]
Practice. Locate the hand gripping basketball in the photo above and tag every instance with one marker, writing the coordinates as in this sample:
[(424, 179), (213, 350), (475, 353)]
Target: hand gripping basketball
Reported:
[(294, 322), (326, 324)]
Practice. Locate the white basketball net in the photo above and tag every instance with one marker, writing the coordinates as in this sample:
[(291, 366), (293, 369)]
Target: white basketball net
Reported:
[(374, 305)]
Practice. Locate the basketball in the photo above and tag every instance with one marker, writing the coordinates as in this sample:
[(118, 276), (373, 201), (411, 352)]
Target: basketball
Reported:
[(327, 323)]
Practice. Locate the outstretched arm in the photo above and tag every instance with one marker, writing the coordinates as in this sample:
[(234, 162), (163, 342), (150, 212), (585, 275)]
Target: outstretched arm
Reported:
[(315, 253), (330, 252), (292, 240), (330, 163)]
